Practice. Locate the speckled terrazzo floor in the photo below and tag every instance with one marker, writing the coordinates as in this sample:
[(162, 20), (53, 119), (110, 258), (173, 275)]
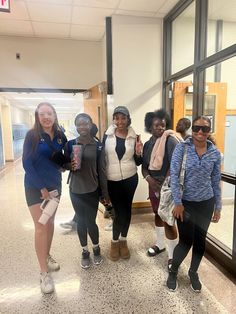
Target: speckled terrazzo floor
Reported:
[(133, 286)]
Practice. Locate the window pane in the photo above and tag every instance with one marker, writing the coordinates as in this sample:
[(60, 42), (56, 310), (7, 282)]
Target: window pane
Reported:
[(183, 99), (223, 230), (220, 106), (221, 25), (183, 29)]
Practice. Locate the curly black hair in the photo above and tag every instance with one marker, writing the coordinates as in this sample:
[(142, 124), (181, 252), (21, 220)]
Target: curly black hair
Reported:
[(160, 114)]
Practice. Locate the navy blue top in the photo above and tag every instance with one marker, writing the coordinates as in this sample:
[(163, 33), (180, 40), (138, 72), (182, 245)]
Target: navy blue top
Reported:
[(120, 147), (40, 171)]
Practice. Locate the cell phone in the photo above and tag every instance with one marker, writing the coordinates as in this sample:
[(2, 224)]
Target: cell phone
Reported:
[(138, 138)]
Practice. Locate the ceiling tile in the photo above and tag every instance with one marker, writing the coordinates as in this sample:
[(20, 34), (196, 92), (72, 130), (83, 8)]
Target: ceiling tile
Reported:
[(140, 5), (53, 30), (134, 13), (87, 32), (90, 16), (20, 28), (18, 12), (49, 12), (111, 4), (65, 2), (166, 7)]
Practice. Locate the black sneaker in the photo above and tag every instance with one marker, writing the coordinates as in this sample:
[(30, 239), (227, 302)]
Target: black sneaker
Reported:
[(97, 257), (85, 260), (172, 283), (195, 282)]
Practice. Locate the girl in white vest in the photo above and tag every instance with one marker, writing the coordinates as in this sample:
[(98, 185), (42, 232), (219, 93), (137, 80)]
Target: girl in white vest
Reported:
[(123, 153)]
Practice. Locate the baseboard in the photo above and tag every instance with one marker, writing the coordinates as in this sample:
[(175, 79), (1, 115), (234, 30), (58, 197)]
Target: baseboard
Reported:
[(141, 204)]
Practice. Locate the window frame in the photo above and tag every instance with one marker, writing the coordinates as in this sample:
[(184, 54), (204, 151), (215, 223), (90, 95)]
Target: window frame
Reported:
[(201, 62)]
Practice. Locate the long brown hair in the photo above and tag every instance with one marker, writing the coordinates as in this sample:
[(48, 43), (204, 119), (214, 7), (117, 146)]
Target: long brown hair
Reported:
[(35, 133)]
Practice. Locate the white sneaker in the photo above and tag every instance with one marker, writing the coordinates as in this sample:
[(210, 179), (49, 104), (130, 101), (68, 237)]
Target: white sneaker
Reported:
[(109, 227), (46, 283), (70, 225), (52, 264)]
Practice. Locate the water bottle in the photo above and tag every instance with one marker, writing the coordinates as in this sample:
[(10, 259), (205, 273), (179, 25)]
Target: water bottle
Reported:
[(49, 207)]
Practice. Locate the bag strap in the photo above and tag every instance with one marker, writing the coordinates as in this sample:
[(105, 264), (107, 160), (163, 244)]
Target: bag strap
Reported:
[(49, 143), (183, 166)]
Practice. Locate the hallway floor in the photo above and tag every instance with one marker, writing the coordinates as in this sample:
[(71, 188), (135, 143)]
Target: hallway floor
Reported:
[(133, 286)]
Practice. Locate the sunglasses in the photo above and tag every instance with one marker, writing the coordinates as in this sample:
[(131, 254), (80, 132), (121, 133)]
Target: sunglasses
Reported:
[(204, 128)]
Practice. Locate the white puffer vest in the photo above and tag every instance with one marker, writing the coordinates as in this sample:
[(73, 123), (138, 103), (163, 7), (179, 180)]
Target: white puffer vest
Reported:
[(120, 169)]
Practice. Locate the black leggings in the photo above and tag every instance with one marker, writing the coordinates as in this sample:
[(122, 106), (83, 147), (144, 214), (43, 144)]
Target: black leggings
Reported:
[(192, 232), (121, 195), (86, 207)]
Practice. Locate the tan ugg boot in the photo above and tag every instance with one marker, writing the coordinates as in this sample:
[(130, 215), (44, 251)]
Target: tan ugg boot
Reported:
[(115, 251), (124, 250)]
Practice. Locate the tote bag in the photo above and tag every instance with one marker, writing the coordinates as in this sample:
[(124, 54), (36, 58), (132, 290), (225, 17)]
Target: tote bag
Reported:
[(166, 206)]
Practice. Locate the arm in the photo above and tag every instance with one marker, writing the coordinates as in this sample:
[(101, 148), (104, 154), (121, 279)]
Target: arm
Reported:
[(144, 170), (138, 151), (154, 185), (102, 175), (67, 151), (138, 159), (28, 164), (215, 179)]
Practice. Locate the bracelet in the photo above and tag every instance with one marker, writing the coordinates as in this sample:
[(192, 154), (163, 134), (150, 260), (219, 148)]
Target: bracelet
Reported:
[(147, 176)]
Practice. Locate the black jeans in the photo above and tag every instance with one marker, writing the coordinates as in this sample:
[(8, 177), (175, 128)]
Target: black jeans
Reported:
[(192, 232), (121, 195), (86, 207)]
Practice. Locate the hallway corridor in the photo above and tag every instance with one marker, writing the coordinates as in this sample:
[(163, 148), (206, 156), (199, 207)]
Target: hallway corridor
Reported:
[(132, 286)]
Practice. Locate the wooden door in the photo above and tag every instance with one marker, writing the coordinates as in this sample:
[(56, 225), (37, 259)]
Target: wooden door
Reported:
[(95, 104), (217, 92)]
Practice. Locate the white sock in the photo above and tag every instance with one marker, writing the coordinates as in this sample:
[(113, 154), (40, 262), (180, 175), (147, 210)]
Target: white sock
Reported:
[(171, 245), (115, 240), (95, 246), (85, 248), (160, 232), (122, 238)]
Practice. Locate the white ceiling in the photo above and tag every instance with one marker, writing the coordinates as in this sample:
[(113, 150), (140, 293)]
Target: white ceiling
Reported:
[(73, 19), (64, 103), (68, 19), (81, 20)]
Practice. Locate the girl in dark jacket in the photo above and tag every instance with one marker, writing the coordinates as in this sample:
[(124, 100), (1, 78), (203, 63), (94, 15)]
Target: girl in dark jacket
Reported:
[(157, 123)]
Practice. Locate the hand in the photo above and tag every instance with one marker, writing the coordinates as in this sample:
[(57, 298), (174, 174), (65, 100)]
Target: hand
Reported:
[(73, 165), (216, 216), (107, 202), (138, 146), (45, 194), (178, 212)]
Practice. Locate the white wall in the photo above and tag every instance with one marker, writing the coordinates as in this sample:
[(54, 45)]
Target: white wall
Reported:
[(137, 72), (19, 116), (6, 119), (50, 63)]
